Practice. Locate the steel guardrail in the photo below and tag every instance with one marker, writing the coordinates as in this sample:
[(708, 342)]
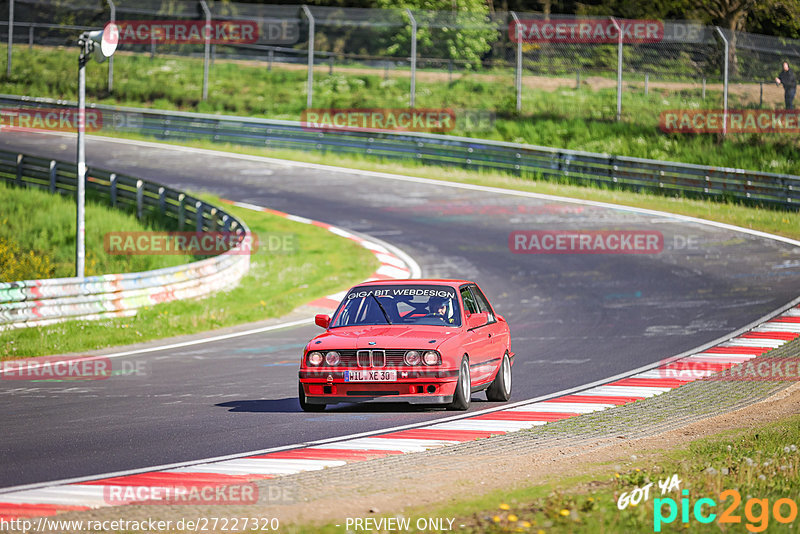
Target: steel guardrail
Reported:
[(41, 302), (470, 153)]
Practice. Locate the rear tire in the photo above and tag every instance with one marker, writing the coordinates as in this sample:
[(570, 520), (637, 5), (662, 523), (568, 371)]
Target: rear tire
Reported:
[(306, 407), (500, 388), (461, 397)]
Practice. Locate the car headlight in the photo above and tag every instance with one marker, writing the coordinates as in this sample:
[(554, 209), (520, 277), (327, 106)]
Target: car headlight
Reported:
[(431, 358), (412, 357), (314, 358), (332, 358)]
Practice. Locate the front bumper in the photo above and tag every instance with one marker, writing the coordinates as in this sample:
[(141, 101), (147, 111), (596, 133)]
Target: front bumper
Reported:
[(414, 387)]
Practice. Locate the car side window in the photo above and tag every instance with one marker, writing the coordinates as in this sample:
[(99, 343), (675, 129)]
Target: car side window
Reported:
[(483, 304), (469, 301)]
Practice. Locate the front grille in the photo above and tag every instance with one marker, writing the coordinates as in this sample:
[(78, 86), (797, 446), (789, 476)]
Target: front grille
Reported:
[(380, 358)]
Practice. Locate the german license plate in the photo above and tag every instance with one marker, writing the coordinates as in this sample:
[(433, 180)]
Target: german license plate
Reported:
[(370, 376)]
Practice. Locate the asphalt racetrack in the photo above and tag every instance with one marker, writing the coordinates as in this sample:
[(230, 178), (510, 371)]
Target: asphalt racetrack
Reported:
[(575, 318)]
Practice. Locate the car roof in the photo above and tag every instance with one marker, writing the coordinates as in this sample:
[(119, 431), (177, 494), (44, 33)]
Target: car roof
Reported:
[(417, 282)]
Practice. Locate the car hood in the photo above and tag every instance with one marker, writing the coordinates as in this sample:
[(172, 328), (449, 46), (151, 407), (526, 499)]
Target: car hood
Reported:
[(383, 337)]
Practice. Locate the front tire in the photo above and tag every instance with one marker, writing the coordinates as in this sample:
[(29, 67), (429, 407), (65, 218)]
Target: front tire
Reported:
[(461, 397), (500, 388), (306, 407)]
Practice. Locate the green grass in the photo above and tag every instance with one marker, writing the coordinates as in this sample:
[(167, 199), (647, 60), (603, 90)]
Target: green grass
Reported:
[(318, 263), (759, 463), (44, 225), (567, 118)]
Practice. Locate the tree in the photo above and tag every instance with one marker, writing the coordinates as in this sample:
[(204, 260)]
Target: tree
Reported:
[(447, 29)]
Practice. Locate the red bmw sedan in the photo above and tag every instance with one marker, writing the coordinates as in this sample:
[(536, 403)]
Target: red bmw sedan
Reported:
[(414, 341)]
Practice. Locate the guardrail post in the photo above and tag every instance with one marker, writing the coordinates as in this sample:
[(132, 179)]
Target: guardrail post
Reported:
[(139, 198), (30, 36), (413, 89), (270, 57), (19, 168), (198, 216), (310, 96), (518, 77), (181, 211), (113, 187), (162, 200), (53, 175)]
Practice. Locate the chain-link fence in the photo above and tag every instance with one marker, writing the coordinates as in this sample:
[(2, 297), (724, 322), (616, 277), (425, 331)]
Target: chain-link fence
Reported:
[(507, 62)]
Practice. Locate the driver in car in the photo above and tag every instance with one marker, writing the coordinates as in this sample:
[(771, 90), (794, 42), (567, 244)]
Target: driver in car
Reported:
[(440, 308)]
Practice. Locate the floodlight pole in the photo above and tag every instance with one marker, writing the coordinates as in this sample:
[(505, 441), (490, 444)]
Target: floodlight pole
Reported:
[(725, 80), (518, 78), (80, 233), (310, 81), (10, 36), (413, 56), (206, 47), (619, 67), (113, 9)]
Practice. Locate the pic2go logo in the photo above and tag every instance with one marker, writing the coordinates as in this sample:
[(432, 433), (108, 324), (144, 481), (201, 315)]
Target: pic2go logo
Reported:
[(756, 511)]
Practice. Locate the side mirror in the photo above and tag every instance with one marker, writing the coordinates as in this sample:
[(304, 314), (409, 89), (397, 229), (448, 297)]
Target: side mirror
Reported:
[(477, 319), (322, 320)]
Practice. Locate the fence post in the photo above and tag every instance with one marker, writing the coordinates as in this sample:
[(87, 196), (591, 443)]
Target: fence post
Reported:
[(181, 211), (577, 79), (270, 56), (206, 47), (19, 168), (760, 94), (646, 82), (10, 36), (113, 186), (413, 57), (30, 36), (198, 216), (725, 84), (704, 88), (518, 76), (113, 9), (619, 67), (162, 200), (53, 175), (139, 198), (311, 23)]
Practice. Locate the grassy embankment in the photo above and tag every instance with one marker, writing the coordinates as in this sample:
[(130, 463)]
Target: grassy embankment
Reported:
[(316, 264), (759, 463), (567, 118)]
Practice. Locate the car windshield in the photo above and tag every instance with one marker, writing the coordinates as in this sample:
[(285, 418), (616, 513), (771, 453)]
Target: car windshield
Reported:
[(399, 304)]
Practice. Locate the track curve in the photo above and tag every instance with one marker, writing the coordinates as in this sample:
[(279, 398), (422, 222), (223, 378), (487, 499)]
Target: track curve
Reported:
[(575, 318)]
